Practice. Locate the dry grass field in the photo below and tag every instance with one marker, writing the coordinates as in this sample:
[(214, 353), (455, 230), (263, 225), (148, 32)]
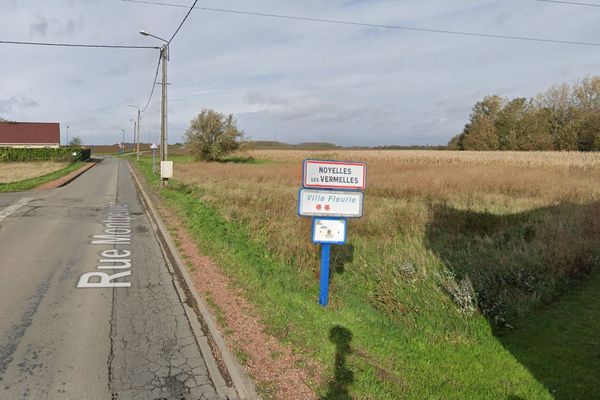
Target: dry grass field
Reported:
[(408, 191), (19, 171), (448, 240)]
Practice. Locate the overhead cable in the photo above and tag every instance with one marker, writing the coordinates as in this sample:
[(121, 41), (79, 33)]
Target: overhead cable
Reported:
[(93, 46), (571, 3), (369, 25), (182, 21), (153, 85)]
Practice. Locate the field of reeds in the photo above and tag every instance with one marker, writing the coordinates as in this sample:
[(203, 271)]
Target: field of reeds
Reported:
[(454, 254)]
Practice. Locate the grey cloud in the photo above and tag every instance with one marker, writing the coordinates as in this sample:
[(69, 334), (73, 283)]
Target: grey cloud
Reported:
[(318, 112), (69, 27), (39, 27), (300, 107), (121, 69), (16, 104), (501, 19), (75, 81), (297, 79), (262, 98), (42, 25)]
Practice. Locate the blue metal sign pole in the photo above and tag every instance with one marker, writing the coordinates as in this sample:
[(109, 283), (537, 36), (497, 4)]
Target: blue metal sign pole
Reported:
[(324, 287)]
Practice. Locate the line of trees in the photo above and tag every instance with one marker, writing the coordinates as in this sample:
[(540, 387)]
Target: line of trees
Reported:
[(565, 118)]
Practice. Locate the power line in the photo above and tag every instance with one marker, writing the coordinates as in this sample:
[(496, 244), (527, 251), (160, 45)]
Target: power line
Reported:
[(368, 25), (94, 46), (153, 85), (183, 21), (571, 3)]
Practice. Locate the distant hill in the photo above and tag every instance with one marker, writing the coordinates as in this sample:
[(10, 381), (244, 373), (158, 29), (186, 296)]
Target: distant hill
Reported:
[(271, 144)]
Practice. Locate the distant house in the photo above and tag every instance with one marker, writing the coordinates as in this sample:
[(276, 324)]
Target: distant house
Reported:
[(29, 134)]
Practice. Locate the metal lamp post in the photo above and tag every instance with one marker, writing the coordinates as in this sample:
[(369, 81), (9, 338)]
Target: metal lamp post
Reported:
[(134, 129), (137, 139), (164, 54)]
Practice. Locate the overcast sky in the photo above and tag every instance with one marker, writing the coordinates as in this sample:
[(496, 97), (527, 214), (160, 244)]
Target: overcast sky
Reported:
[(295, 81)]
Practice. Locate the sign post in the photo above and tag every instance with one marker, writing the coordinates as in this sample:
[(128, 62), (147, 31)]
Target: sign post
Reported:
[(330, 193), (153, 146), (324, 277)]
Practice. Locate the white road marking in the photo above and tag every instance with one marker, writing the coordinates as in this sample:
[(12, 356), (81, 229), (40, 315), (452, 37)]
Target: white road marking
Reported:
[(14, 207), (116, 232)]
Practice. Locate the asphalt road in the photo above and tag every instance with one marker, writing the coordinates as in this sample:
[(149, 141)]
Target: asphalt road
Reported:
[(61, 341)]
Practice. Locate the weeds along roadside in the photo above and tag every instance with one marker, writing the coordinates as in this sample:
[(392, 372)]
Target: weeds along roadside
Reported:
[(392, 294)]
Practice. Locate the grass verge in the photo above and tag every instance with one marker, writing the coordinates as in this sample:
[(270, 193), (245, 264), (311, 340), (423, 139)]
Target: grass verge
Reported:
[(559, 343), (31, 183), (427, 349)]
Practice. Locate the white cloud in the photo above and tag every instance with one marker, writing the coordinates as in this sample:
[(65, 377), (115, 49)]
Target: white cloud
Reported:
[(296, 80)]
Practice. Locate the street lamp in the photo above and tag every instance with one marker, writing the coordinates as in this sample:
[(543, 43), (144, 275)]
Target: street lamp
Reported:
[(164, 54), (134, 129), (138, 131), (123, 141)]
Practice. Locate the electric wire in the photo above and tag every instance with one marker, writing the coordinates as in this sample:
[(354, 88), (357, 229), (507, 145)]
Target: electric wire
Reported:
[(153, 85), (182, 22), (94, 46), (571, 3), (369, 25)]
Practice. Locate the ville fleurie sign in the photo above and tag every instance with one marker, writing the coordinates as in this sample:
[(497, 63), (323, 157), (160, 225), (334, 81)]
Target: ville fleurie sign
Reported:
[(343, 175), (331, 193), (330, 203)]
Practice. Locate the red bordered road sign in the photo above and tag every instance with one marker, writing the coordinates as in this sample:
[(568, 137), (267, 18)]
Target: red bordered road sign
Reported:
[(343, 175)]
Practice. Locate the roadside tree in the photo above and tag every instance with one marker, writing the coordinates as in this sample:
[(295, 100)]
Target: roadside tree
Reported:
[(212, 135), (75, 141)]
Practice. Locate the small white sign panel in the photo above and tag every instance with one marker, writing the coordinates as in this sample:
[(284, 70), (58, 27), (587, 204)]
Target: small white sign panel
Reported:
[(330, 203), (153, 146), (166, 169), (329, 231), (334, 174)]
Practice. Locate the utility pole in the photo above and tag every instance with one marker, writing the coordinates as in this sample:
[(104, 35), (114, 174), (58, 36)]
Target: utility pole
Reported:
[(67, 135), (134, 129), (164, 142), (137, 157), (123, 141), (137, 133)]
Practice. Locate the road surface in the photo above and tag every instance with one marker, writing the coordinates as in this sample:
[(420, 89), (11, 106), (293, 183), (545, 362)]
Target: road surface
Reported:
[(63, 338)]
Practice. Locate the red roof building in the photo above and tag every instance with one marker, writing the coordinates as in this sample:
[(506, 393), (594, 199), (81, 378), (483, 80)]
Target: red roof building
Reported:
[(29, 134)]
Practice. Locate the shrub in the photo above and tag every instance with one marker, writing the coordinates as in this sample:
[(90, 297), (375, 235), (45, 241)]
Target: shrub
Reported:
[(212, 135), (9, 154)]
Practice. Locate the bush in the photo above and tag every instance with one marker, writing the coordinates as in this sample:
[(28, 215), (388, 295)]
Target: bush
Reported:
[(212, 135)]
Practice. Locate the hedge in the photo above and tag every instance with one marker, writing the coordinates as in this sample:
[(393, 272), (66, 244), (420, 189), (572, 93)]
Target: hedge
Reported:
[(44, 154)]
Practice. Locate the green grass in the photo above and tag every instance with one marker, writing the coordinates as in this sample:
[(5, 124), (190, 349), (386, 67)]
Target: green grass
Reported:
[(31, 183), (420, 347), (560, 343)]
